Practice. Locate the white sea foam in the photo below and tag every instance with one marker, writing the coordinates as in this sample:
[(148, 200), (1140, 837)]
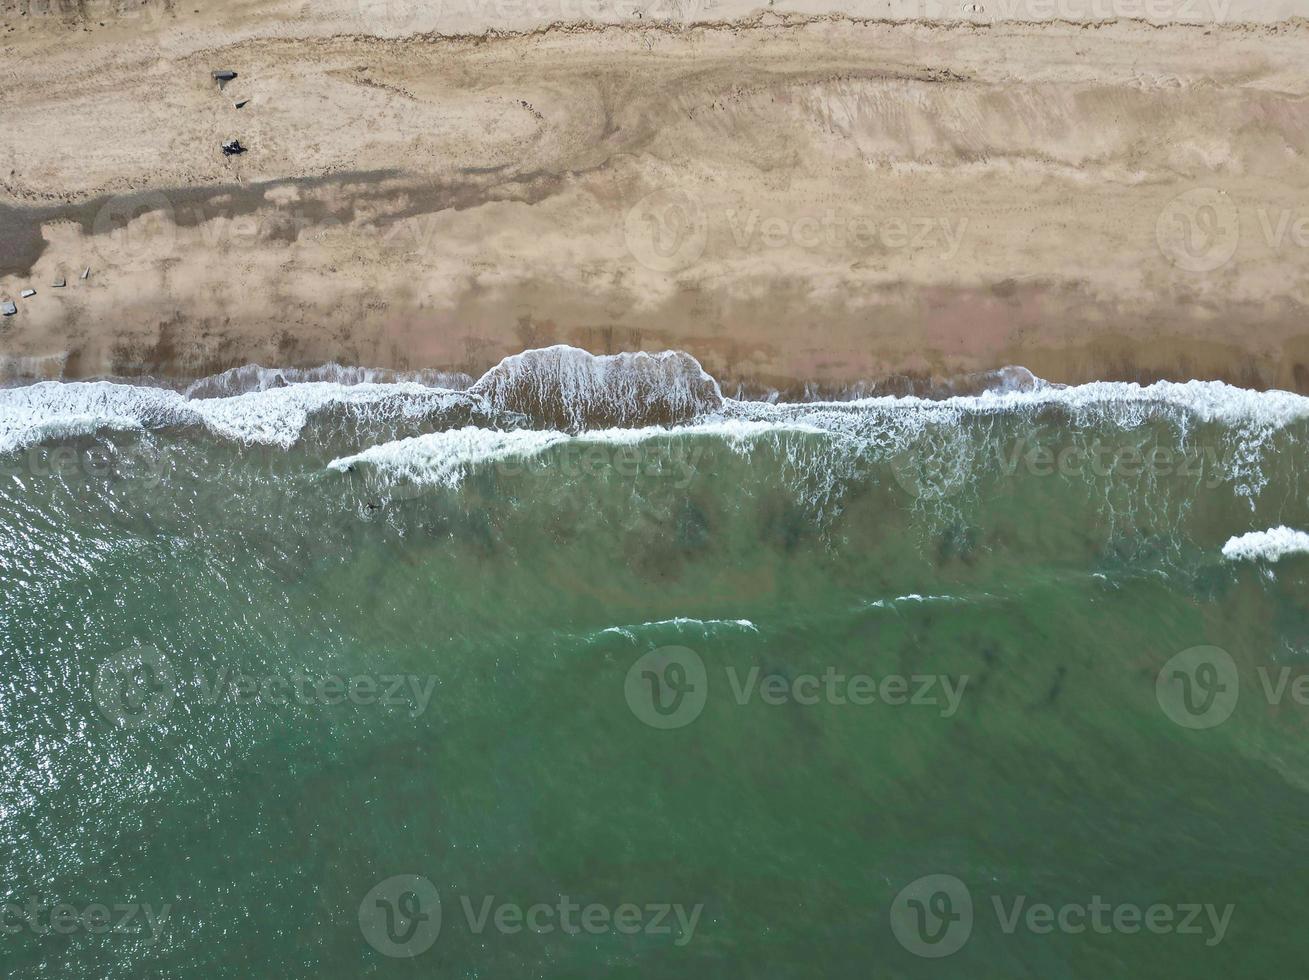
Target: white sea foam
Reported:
[(277, 416), (63, 426), (53, 410), (891, 425), (572, 391), (1271, 545), (630, 630), (445, 458), (911, 597), (1127, 403), (273, 417), (255, 377)]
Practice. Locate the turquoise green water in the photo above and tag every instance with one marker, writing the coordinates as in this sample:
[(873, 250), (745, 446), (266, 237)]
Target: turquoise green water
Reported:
[(733, 691)]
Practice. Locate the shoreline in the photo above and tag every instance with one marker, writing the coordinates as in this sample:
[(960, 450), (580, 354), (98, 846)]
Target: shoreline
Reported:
[(568, 393), (555, 368)]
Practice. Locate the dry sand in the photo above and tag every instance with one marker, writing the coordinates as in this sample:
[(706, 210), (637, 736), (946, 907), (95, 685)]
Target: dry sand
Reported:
[(812, 194)]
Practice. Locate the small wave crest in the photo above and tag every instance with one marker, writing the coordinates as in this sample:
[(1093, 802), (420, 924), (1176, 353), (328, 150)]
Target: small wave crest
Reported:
[(1271, 545), (272, 417), (678, 623), (912, 597), (445, 458), (442, 458)]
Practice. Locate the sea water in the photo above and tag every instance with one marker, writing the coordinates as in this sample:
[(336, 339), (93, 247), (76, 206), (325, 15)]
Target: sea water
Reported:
[(586, 670)]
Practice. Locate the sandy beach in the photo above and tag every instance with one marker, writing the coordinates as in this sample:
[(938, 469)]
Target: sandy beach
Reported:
[(798, 195)]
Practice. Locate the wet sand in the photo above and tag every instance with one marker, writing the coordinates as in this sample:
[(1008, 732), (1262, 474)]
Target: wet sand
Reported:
[(796, 200)]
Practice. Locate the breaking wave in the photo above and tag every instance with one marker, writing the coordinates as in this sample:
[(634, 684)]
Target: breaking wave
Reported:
[(273, 416), (705, 627), (533, 401), (253, 377), (567, 388), (1271, 545), (913, 597), (1126, 404), (444, 458)]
